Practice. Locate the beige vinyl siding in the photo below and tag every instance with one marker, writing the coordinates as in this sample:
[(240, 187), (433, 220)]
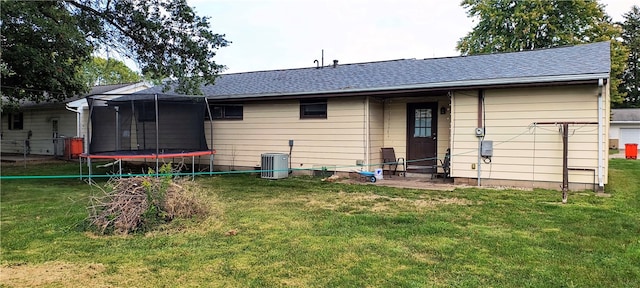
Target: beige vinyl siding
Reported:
[(376, 132), (395, 126), (444, 127), (521, 150), (39, 122), (337, 141)]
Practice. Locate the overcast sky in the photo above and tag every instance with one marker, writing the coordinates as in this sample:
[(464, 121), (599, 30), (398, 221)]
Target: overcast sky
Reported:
[(284, 34)]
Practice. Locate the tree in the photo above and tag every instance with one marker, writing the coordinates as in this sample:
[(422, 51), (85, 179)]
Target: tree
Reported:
[(43, 49), (100, 71), (513, 25), (631, 77), (46, 43)]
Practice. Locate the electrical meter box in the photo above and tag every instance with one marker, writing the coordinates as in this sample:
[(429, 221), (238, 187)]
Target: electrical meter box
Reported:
[(486, 148)]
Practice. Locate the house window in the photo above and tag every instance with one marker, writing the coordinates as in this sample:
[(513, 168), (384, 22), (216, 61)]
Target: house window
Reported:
[(226, 112), (313, 109), (15, 121), (422, 123)]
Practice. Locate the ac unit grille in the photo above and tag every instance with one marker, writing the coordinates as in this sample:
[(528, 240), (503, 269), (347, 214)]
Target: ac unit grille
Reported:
[(274, 166)]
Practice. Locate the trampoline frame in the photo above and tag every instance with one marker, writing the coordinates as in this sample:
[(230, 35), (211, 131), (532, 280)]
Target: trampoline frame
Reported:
[(120, 158), (157, 155)]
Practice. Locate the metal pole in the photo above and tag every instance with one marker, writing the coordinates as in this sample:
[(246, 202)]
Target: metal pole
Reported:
[(565, 168), (157, 134), (479, 160), (24, 150), (89, 125), (211, 164), (90, 103), (480, 138), (210, 134), (117, 108)]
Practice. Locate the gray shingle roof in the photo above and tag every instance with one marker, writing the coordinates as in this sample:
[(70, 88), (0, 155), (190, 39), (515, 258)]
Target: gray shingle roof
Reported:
[(580, 62), (95, 90), (627, 114)]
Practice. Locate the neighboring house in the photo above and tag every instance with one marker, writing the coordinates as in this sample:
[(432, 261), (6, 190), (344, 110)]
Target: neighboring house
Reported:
[(625, 127), (40, 128), (339, 116)]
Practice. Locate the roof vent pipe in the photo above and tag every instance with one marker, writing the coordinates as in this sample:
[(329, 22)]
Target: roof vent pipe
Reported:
[(321, 64), (335, 63)]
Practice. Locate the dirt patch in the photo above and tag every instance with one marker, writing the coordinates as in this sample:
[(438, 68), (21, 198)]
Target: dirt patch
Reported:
[(405, 182), (379, 203), (51, 274)]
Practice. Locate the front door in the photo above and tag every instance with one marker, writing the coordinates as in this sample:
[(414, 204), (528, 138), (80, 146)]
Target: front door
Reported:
[(421, 136)]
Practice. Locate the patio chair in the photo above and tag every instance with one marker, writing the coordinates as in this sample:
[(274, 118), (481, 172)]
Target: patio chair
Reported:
[(389, 159), (445, 165)]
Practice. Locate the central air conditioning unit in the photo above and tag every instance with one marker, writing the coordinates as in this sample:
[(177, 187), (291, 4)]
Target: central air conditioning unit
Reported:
[(275, 166)]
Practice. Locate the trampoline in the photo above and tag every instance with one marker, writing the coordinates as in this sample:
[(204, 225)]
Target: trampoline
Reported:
[(147, 126)]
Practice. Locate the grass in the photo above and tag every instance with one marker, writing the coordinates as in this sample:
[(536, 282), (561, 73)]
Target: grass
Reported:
[(306, 233)]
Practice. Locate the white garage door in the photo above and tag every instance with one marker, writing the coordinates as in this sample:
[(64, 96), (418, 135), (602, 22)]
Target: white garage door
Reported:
[(629, 135)]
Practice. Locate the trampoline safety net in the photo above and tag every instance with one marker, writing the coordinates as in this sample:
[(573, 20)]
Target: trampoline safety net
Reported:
[(128, 125)]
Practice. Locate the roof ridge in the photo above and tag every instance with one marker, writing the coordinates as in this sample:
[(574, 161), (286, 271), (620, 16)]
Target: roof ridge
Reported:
[(522, 51), (422, 59), (318, 68)]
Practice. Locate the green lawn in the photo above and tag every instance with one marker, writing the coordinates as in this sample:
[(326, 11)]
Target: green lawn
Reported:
[(307, 233)]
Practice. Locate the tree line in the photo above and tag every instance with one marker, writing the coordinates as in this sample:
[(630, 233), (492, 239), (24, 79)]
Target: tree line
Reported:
[(47, 46), (518, 25)]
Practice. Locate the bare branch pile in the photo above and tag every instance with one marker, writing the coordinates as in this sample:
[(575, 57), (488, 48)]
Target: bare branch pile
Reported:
[(140, 203)]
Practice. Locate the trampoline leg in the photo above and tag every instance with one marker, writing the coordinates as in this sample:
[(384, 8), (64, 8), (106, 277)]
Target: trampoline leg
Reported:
[(211, 165), (89, 164), (80, 160), (120, 167), (193, 168)]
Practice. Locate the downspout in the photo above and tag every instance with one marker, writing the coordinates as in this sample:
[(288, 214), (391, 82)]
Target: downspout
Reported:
[(78, 118), (601, 106)]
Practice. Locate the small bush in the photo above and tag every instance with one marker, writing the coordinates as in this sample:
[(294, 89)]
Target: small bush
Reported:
[(141, 203)]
